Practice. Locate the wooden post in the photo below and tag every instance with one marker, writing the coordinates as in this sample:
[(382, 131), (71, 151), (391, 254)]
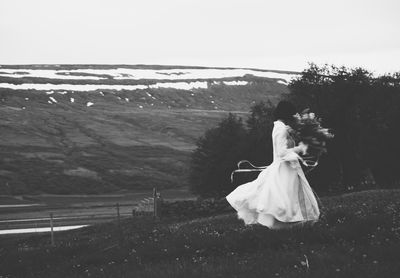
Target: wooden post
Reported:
[(159, 205), (52, 229), (119, 226), (155, 202), (118, 215)]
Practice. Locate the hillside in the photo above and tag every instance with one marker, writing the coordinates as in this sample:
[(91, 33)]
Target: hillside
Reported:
[(357, 236), (102, 128)]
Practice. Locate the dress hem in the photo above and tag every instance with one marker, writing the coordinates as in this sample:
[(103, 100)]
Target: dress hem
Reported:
[(258, 213)]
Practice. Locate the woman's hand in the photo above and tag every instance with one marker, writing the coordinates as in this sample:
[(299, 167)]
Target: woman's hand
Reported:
[(303, 148)]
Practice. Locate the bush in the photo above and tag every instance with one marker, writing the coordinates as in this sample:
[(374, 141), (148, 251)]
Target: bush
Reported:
[(195, 208)]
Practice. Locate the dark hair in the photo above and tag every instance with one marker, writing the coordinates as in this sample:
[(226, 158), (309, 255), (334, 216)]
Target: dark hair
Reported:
[(284, 111)]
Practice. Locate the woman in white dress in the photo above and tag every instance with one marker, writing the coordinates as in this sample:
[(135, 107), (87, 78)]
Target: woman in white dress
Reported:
[(281, 196)]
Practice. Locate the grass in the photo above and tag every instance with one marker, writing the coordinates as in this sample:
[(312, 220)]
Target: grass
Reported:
[(358, 235)]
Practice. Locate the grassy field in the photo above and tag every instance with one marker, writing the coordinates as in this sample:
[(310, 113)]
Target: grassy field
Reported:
[(358, 235)]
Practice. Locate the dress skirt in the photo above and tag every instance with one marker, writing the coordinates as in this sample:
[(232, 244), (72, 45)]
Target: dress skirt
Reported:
[(279, 197)]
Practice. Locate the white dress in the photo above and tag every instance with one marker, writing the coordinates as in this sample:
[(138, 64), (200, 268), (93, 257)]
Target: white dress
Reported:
[(280, 196)]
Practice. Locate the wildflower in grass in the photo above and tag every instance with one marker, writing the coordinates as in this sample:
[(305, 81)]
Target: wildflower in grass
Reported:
[(305, 262)]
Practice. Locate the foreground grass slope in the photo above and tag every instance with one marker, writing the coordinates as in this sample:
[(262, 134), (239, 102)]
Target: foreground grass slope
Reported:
[(358, 236)]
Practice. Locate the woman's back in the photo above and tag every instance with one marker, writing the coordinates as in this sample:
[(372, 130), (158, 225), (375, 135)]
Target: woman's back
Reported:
[(280, 139)]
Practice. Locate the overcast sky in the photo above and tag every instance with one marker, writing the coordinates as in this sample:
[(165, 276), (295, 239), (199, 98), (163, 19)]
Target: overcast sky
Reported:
[(250, 33)]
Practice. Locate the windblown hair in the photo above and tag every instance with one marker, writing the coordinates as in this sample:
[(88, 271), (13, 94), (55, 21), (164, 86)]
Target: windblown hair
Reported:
[(284, 111)]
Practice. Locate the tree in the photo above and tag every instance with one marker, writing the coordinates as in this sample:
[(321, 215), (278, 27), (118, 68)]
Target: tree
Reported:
[(259, 141), (216, 156), (363, 112)]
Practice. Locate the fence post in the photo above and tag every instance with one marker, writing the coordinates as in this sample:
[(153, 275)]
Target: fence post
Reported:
[(155, 215), (119, 226), (159, 201), (118, 215), (52, 229)]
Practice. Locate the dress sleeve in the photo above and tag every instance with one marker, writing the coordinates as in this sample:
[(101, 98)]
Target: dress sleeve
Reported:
[(282, 151)]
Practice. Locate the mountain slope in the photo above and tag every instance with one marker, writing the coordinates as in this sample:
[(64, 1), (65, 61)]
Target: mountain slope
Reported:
[(99, 140)]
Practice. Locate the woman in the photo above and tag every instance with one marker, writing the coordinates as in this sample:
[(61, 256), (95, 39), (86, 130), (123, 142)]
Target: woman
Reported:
[(281, 196)]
